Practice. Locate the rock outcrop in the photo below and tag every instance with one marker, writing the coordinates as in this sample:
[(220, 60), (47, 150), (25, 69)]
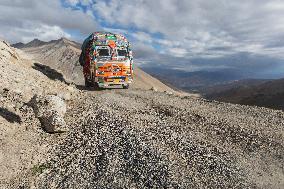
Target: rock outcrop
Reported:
[(50, 110)]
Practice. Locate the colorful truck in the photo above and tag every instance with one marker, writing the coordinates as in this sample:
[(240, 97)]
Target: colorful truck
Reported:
[(107, 60)]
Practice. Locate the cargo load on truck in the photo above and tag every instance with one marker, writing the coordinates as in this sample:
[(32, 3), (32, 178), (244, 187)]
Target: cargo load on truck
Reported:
[(107, 60)]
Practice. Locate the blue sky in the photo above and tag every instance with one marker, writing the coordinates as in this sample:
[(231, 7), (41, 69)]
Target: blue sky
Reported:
[(188, 34)]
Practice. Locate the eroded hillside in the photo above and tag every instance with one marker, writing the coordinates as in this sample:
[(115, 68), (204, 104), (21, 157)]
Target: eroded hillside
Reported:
[(23, 143)]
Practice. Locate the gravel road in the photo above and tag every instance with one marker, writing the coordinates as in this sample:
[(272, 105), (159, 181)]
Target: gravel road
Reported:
[(146, 139)]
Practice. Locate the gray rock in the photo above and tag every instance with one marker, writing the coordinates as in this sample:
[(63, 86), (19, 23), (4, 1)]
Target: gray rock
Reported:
[(50, 110), (154, 89), (169, 93), (64, 95)]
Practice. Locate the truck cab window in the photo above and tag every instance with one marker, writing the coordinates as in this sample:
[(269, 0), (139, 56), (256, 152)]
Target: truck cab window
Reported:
[(121, 52), (103, 52)]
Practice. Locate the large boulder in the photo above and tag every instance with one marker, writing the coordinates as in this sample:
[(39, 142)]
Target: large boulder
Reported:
[(50, 111)]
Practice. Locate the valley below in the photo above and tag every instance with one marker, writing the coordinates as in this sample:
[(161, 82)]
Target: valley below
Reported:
[(225, 86)]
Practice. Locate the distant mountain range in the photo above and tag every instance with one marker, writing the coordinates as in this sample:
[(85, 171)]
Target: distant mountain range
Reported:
[(193, 81), (38, 43), (33, 43), (225, 85)]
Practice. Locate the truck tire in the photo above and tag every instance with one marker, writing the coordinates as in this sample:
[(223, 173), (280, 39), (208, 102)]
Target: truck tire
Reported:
[(125, 86), (96, 86), (88, 83)]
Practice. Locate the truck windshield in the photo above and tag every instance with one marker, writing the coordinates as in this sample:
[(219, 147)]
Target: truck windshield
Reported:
[(121, 52), (103, 52)]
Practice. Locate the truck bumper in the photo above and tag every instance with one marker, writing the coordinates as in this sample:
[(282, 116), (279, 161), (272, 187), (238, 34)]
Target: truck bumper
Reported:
[(113, 81)]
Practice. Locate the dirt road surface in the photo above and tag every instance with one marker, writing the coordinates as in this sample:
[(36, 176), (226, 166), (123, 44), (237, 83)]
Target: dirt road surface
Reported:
[(146, 139)]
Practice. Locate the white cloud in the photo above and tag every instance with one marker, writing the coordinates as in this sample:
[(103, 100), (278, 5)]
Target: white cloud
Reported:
[(142, 36), (31, 31), (115, 30), (30, 17), (43, 32), (177, 52), (201, 25), (73, 2)]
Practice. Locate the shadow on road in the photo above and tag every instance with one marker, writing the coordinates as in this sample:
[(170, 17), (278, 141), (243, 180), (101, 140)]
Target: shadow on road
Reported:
[(84, 88), (49, 72), (10, 116)]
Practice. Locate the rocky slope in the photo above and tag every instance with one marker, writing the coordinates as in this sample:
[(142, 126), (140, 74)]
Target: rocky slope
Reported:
[(134, 138), (23, 143)]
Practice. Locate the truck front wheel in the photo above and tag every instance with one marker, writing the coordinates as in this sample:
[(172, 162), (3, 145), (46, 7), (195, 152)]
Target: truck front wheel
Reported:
[(125, 86), (96, 86), (88, 83)]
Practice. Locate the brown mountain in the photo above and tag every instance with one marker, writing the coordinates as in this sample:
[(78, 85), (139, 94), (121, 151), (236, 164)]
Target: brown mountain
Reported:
[(61, 54), (18, 45)]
